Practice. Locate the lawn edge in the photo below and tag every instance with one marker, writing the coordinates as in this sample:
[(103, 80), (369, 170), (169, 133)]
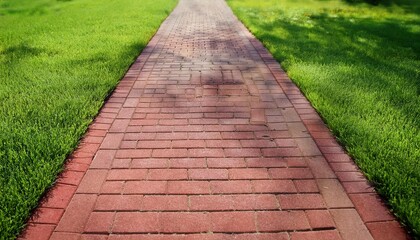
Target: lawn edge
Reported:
[(366, 201), (58, 196)]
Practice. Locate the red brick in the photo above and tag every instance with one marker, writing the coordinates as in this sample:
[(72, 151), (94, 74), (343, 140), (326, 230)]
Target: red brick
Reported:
[(210, 174), (127, 174), (78, 167), (334, 194), (251, 128), (121, 163), (118, 202), (95, 133), (173, 122), (225, 162), (203, 121), (88, 147), (103, 159), (334, 157), (281, 152), (350, 225), (344, 167), (165, 203), (134, 153), (258, 116), (290, 173), (94, 136), (80, 160), (139, 136), (262, 236), (47, 215), (127, 144), (308, 147), (167, 174), (370, 207), (218, 115), (390, 230), (188, 187), (70, 177), (187, 163), (153, 144), (240, 186), (211, 203), (228, 222), (204, 135), (136, 222), (254, 202), (238, 135), (223, 144), (112, 187), (248, 173), (324, 235), (131, 102), (188, 144), (59, 196), (145, 187), (149, 163), (77, 213), (37, 231), (296, 162), (335, 149), (64, 236), (306, 186), (281, 221), (119, 125), (266, 162), (112, 141), (199, 152), (219, 128), (358, 187), (184, 222), (273, 186), (320, 168), (242, 152), (100, 222), (260, 143), (143, 122), (325, 142), (320, 219), (301, 201), (286, 142), (170, 153), (92, 237), (350, 176)]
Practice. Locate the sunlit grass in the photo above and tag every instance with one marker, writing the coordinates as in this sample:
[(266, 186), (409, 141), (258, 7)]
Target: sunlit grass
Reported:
[(359, 66), (58, 62)]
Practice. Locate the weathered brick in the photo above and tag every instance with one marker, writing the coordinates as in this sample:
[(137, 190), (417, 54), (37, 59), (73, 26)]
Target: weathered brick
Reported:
[(228, 222), (273, 186), (210, 174), (282, 221)]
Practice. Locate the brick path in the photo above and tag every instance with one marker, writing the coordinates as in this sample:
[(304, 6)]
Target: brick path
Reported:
[(207, 138)]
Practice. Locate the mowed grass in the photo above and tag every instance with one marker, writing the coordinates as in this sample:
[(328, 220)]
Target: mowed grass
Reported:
[(359, 65), (59, 59)]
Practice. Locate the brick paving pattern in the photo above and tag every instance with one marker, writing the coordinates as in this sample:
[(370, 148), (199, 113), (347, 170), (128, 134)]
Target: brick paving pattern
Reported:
[(207, 138)]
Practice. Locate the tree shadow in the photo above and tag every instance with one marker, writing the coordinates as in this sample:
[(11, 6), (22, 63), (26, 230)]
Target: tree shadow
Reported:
[(365, 38), (366, 57), (409, 6)]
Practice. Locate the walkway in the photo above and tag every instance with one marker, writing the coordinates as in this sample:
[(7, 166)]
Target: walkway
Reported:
[(207, 138)]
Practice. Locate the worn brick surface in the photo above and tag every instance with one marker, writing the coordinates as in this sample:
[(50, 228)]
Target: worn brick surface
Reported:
[(207, 138)]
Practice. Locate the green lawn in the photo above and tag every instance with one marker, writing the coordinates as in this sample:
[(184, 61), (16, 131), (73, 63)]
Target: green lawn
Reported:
[(59, 59), (359, 65)]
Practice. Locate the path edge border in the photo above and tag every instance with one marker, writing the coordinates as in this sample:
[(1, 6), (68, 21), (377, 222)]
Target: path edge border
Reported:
[(384, 224)]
